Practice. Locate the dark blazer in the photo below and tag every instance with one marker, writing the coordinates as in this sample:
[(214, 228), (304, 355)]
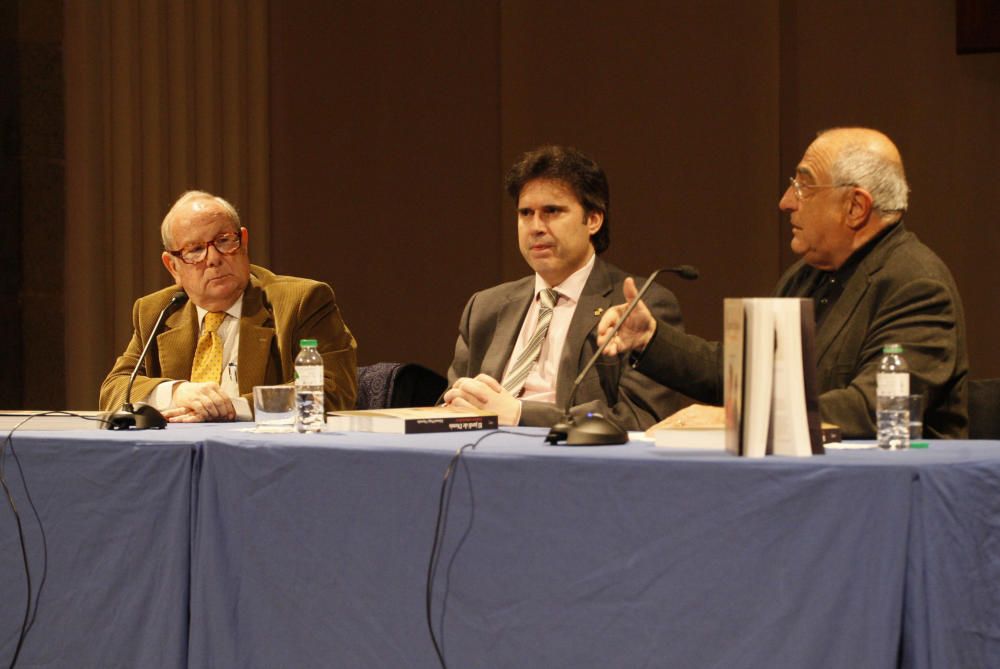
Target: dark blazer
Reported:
[(278, 311), (492, 320), (901, 293)]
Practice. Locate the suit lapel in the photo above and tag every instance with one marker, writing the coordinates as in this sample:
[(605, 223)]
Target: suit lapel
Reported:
[(510, 316), (841, 313), (595, 298), (176, 344), (256, 334)]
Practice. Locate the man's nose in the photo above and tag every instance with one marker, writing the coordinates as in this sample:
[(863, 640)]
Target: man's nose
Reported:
[(535, 223), (788, 201), (212, 255)]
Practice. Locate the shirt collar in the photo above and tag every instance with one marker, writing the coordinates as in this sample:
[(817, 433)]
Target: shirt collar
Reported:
[(236, 310), (845, 271), (572, 287)]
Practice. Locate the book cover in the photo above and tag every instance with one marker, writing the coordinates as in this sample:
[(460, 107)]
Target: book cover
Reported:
[(733, 343), (795, 410), (759, 376), (411, 420), (819, 434)]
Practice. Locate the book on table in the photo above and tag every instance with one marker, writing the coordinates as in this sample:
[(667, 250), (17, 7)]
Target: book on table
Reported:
[(769, 375), (411, 420), (705, 437), (705, 429)]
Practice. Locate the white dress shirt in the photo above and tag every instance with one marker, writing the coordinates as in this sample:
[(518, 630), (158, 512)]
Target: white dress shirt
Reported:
[(229, 333), (540, 386)]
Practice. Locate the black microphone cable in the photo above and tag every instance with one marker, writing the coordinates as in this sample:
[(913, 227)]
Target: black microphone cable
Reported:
[(29, 615), (444, 500)]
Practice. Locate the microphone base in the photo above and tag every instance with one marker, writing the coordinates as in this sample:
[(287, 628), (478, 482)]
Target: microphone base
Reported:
[(592, 429), (139, 416)]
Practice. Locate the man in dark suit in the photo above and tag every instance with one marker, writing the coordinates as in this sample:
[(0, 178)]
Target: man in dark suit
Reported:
[(240, 328), (874, 283), (522, 344)]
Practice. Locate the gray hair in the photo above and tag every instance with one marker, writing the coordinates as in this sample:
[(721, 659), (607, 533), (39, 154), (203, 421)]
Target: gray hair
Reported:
[(192, 196), (859, 165)]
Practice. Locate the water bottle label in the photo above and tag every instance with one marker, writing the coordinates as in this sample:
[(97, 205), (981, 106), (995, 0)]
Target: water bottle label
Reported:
[(893, 385), (309, 375)]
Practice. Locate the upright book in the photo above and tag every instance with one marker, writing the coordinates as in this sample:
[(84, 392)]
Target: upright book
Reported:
[(769, 373), (413, 420)]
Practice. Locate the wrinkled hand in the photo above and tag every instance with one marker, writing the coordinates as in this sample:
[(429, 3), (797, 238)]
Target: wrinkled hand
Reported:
[(200, 402), (486, 394), (635, 333)]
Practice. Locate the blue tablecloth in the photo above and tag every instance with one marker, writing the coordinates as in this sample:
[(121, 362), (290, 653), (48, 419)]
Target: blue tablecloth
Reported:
[(215, 547), (116, 515), (312, 548)]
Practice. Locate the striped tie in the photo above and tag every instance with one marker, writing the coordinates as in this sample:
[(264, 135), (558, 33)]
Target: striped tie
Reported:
[(529, 356), (207, 364)]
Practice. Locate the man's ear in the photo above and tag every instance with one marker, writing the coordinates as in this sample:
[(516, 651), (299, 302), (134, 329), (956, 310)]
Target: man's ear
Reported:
[(168, 262), (859, 208), (595, 220)]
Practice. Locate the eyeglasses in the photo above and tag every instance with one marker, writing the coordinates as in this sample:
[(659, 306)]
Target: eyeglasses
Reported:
[(227, 244), (799, 187)]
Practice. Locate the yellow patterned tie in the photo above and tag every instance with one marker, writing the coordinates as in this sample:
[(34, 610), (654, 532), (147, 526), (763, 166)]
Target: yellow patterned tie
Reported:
[(208, 356)]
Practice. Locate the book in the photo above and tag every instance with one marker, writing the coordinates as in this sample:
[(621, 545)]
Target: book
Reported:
[(733, 342), (411, 420), (795, 409), (704, 438), (831, 434), (769, 376), (697, 426), (759, 364)]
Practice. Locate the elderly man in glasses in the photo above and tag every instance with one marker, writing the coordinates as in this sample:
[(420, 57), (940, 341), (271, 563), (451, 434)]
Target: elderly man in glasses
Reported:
[(873, 283), (240, 328)]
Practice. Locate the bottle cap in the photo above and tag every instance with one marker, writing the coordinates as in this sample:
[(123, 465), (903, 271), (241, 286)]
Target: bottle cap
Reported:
[(307, 342), (892, 348)]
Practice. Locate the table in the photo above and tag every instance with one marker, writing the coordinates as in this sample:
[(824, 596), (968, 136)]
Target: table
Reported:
[(311, 551), (116, 512)]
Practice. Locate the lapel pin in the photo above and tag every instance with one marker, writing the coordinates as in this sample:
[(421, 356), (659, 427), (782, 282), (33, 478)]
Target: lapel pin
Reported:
[(598, 311)]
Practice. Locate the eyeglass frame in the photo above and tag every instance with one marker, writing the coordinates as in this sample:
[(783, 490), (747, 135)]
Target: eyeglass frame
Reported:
[(179, 254), (797, 187)]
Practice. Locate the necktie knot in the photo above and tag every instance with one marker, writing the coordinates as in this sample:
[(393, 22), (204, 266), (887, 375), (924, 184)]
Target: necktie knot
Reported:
[(548, 297), (213, 320)]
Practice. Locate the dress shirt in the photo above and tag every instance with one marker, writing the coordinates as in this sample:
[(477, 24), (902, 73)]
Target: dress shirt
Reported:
[(540, 385), (229, 333)]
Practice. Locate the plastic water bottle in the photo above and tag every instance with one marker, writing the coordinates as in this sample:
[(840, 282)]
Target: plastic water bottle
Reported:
[(892, 403), (310, 414)]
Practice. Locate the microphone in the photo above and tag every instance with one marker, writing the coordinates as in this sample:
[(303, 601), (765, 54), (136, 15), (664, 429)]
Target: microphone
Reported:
[(594, 429), (141, 416)]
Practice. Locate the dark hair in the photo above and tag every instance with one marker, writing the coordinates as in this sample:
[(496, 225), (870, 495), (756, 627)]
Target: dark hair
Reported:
[(574, 168)]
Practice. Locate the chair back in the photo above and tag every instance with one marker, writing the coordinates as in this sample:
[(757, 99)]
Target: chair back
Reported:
[(395, 384), (984, 409)]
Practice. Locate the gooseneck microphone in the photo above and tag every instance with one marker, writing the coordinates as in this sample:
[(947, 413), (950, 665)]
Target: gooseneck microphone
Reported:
[(141, 416), (594, 429)]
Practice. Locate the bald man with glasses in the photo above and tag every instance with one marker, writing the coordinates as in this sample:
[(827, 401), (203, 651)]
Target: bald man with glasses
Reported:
[(872, 281), (240, 328)]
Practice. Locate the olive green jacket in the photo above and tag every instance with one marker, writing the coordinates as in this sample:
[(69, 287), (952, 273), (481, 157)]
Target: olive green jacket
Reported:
[(278, 311)]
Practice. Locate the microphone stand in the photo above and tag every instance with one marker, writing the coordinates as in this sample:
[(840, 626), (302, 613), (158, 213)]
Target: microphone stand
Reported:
[(142, 416), (594, 429)]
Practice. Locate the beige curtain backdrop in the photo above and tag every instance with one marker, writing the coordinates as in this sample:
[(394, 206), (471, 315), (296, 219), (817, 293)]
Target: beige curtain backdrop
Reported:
[(162, 96)]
